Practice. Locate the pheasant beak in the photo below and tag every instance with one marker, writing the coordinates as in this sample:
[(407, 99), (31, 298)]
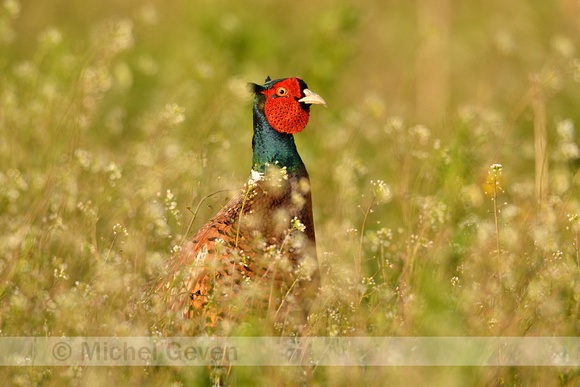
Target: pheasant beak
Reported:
[(312, 98)]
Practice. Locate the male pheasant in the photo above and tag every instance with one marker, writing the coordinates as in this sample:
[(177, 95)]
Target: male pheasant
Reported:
[(259, 250)]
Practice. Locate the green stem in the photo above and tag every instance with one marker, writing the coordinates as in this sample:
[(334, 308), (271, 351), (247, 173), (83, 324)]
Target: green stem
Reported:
[(496, 217), (358, 265)]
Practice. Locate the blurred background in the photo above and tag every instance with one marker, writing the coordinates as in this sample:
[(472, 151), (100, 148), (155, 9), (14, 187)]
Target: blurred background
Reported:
[(116, 118)]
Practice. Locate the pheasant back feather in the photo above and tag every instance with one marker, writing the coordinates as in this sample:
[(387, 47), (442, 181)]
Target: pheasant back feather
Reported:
[(249, 250)]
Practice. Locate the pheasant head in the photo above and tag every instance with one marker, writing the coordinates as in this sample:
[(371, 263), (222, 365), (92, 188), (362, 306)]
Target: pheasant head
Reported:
[(281, 109)]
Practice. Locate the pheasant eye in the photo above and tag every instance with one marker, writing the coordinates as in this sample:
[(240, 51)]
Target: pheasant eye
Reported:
[(281, 91)]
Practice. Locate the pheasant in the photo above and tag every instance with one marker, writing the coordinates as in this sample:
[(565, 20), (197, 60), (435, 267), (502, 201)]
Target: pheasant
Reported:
[(259, 250)]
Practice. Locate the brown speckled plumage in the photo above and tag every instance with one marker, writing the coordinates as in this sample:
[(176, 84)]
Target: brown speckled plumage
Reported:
[(255, 222)]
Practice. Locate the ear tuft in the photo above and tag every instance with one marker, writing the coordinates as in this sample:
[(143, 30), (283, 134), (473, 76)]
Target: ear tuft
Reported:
[(254, 88), (267, 79)]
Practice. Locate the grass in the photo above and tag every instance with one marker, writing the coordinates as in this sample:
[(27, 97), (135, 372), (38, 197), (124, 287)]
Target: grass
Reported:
[(116, 120)]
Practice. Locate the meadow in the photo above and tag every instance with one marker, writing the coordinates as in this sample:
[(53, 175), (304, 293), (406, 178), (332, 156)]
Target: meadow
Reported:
[(445, 170)]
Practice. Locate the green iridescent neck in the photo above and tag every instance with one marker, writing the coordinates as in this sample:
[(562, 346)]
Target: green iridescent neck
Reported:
[(272, 147)]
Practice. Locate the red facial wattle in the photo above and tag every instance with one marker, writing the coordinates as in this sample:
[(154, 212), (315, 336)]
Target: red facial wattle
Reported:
[(282, 109)]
